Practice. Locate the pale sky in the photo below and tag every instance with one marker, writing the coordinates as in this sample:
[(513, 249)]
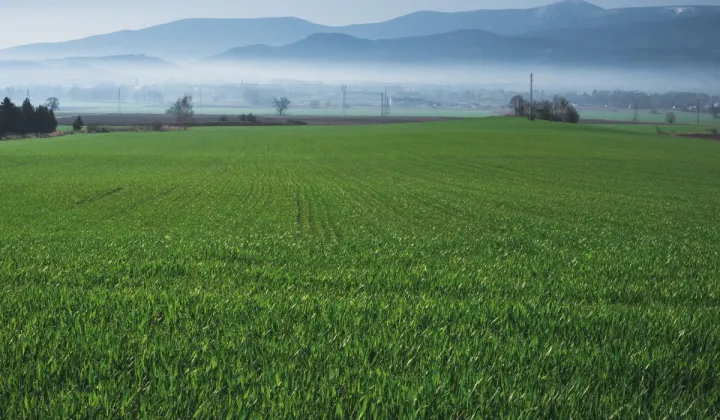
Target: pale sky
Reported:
[(25, 22)]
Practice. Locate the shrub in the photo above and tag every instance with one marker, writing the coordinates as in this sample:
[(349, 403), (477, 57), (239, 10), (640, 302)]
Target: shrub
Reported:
[(543, 110), (242, 117), (224, 118), (183, 110), (252, 118), (157, 126), (670, 117), (94, 128), (571, 115), (558, 110)]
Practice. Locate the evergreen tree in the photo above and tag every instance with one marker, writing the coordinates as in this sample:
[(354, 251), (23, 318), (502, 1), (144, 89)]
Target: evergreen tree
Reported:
[(78, 124), (26, 119), (11, 116), (27, 123), (45, 121), (3, 122), (51, 121)]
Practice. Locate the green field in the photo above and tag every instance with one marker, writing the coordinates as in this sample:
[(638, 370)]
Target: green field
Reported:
[(481, 268)]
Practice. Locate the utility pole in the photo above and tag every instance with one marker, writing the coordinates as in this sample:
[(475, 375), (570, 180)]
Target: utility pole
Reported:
[(636, 106), (382, 108), (531, 87), (698, 111), (27, 94), (344, 99), (386, 103), (532, 105)]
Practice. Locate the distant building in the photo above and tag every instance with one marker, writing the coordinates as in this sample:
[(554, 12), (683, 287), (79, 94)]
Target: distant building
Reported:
[(412, 101)]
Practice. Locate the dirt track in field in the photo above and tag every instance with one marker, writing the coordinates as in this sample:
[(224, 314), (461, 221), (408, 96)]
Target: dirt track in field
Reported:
[(702, 136), (147, 119), (620, 122)]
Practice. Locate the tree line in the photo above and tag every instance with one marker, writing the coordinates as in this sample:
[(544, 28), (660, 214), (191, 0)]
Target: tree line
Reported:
[(26, 119), (559, 109), (183, 110)]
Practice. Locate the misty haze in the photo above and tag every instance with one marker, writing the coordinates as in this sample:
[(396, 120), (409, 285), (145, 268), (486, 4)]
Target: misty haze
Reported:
[(572, 45)]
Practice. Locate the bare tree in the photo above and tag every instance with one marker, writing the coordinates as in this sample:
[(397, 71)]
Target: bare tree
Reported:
[(182, 110), (281, 105), (518, 104), (53, 103)]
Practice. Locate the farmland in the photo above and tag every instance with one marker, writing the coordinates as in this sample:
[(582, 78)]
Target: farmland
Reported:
[(487, 268)]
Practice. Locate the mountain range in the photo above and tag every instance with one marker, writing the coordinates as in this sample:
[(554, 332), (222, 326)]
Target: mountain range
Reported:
[(560, 31), (657, 45), (459, 47)]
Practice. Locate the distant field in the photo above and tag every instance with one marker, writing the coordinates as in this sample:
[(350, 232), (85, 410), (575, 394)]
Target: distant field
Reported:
[(619, 114), (669, 129), (645, 116), (480, 268), (266, 120), (104, 108)]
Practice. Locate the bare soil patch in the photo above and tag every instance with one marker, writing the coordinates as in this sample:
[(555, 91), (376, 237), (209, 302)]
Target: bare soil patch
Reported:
[(703, 136)]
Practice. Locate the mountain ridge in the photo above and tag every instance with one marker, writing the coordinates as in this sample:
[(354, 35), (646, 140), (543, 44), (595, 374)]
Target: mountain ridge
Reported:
[(676, 35)]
